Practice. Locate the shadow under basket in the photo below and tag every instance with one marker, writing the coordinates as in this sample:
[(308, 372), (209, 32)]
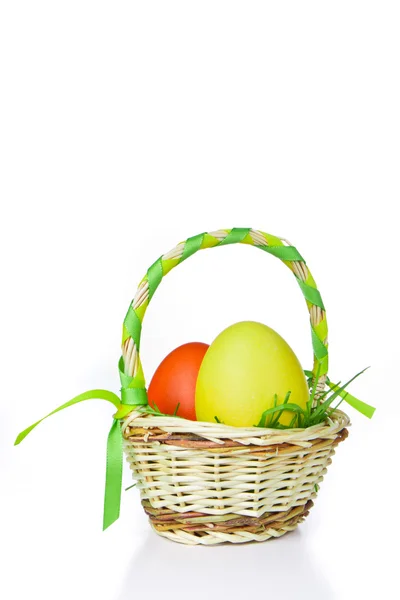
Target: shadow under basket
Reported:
[(206, 483)]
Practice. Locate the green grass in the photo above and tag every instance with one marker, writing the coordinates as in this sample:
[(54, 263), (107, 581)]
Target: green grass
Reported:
[(130, 487), (318, 409)]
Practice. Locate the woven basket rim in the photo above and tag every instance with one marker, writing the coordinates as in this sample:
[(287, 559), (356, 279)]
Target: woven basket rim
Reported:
[(218, 431)]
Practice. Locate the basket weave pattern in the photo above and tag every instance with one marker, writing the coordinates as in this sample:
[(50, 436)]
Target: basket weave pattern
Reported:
[(208, 483), (202, 483)]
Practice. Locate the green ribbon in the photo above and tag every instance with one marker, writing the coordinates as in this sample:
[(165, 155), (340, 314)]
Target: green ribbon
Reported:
[(154, 276), (113, 484), (362, 407), (90, 395), (192, 245), (365, 409)]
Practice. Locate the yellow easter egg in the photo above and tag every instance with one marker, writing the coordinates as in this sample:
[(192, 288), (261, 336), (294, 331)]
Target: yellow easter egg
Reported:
[(242, 371)]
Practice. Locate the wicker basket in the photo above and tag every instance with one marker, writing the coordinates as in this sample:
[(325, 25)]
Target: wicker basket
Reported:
[(208, 483)]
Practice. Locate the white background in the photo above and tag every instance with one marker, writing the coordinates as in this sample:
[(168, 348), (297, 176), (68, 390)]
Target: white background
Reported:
[(125, 128)]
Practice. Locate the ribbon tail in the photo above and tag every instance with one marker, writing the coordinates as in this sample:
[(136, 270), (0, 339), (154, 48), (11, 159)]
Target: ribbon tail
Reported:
[(90, 395), (112, 493), (365, 409), (112, 498)]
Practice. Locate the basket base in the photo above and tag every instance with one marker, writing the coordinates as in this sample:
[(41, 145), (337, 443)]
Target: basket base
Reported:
[(201, 529)]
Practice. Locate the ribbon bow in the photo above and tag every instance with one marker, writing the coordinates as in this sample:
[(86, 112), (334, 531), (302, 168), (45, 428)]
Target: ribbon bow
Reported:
[(137, 396)]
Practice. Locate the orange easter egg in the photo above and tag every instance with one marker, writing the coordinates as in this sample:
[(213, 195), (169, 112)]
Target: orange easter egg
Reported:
[(174, 382)]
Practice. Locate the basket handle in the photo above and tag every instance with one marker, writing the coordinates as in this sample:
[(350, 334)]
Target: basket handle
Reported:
[(133, 390)]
